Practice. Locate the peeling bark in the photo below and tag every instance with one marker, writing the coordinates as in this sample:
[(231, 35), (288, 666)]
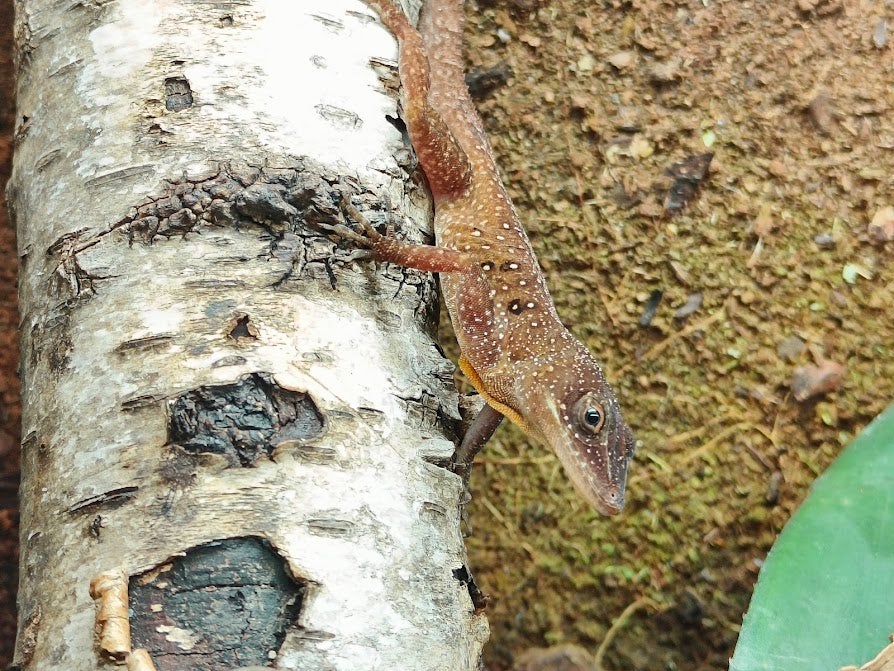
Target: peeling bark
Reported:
[(239, 415)]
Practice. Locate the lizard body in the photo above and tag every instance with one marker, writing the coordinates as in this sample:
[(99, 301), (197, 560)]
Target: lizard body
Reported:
[(515, 350)]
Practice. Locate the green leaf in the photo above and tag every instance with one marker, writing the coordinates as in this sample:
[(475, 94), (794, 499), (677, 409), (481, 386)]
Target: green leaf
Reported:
[(825, 596)]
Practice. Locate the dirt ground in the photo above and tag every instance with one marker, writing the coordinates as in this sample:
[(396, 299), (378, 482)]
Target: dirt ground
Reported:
[(766, 265), (775, 250)]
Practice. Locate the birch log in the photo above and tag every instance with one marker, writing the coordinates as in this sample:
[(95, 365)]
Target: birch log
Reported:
[(232, 427)]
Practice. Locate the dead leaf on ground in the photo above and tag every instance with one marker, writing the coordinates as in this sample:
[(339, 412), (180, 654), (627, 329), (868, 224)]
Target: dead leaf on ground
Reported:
[(821, 112), (764, 223), (816, 379), (688, 176)]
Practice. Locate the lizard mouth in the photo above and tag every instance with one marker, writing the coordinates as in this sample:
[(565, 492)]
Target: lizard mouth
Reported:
[(620, 446), (610, 502)]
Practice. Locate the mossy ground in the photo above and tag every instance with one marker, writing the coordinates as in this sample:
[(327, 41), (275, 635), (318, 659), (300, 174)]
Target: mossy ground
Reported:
[(795, 100)]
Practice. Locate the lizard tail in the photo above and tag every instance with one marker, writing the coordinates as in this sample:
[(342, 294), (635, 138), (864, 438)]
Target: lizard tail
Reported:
[(443, 160)]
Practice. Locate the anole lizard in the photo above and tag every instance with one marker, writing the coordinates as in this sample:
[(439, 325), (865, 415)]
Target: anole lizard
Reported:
[(515, 351)]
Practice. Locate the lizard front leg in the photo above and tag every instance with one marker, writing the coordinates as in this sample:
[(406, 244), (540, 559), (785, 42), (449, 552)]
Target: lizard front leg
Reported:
[(474, 316), (479, 432), (387, 248)]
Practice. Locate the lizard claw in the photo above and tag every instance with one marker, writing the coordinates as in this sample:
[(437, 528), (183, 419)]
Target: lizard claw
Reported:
[(367, 237), (346, 232), (464, 471), (372, 236)]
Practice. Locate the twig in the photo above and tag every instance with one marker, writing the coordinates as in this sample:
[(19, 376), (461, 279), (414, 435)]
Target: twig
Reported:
[(620, 622), (658, 348)]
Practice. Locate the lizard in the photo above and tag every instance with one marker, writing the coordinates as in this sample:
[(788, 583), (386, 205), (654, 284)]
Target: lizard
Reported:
[(514, 349)]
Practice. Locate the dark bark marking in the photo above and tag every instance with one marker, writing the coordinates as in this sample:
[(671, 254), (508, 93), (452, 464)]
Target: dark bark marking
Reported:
[(331, 526), (135, 403), (95, 527), (105, 500), (50, 340), (242, 327), (178, 94), (231, 360), (149, 342), (243, 421), (479, 598), (234, 600), (27, 643)]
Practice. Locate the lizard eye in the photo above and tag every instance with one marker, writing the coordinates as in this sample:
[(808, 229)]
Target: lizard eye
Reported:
[(590, 413), (592, 416)]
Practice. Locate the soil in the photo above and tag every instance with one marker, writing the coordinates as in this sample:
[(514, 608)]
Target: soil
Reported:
[(766, 265), (769, 277)]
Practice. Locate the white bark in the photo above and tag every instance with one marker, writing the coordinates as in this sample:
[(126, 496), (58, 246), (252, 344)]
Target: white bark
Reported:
[(116, 329)]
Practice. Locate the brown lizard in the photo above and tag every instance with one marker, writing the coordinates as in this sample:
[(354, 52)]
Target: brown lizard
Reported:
[(515, 351)]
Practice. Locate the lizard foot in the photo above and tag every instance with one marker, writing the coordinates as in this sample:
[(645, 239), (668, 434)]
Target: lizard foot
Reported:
[(367, 237), (464, 471)]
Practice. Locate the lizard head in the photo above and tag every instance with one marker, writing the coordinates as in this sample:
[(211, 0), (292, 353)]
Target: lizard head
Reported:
[(575, 412)]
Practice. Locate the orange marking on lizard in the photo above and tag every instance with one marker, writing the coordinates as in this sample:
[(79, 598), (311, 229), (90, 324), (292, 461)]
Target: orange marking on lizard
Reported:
[(515, 350)]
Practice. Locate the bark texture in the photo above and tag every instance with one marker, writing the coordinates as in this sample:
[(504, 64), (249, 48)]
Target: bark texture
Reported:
[(217, 399)]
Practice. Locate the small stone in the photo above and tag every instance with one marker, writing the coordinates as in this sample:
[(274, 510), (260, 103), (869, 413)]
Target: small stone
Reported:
[(824, 240), (586, 63), (628, 119), (640, 147), (565, 657), (880, 34), (693, 303), (622, 60), (821, 113), (581, 102), (881, 228), (666, 72), (790, 348), (777, 168), (531, 40)]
